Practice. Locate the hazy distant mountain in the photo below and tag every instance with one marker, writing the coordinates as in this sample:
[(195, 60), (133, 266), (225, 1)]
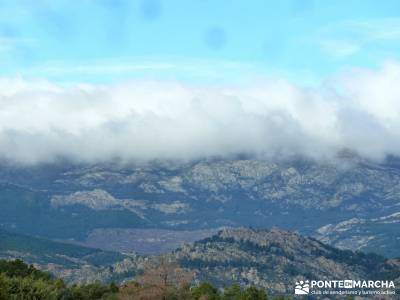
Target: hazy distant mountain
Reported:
[(71, 262), (380, 235), (70, 201)]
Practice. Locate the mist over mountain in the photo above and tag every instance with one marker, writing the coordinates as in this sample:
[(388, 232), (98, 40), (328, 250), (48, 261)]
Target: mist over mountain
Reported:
[(140, 120)]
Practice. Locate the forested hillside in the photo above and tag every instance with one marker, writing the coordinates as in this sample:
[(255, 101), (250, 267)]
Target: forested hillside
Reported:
[(21, 281)]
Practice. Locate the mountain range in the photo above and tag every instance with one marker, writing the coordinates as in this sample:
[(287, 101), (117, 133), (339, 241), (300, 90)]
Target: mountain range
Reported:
[(348, 202)]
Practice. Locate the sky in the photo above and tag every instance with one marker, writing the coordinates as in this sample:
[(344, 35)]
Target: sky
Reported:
[(95, 80), (304, 41)]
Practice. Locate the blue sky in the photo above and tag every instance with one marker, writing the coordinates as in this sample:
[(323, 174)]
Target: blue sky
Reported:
[(303, 41)]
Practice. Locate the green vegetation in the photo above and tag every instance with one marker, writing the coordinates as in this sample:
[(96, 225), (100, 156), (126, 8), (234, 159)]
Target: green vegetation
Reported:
[(160, 281), (203, 291), (21, 281)]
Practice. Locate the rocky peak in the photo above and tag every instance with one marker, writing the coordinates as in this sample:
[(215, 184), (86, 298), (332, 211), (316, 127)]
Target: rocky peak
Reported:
[(288, 241), (275, 259)]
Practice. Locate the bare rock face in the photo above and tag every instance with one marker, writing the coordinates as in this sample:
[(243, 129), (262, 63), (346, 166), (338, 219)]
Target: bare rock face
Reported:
[(372, 235), (97, 199), (275, 259)]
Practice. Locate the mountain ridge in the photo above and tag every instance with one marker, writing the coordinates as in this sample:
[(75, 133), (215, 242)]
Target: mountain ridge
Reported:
[(72, 201), (275, 259)]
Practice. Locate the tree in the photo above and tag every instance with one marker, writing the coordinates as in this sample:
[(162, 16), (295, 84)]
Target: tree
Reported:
[(161, 279), (233, 292), (4, 295), (17, 268), (205, 291), (252, 293)]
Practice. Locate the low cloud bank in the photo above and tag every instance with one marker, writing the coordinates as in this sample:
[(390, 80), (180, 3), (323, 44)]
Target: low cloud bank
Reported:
[(143, 120)]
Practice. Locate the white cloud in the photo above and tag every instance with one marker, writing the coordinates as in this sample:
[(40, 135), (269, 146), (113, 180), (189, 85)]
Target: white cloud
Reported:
[(142, 120)]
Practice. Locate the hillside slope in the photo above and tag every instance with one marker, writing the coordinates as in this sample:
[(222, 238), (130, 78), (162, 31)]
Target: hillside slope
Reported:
[(70, 262)]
